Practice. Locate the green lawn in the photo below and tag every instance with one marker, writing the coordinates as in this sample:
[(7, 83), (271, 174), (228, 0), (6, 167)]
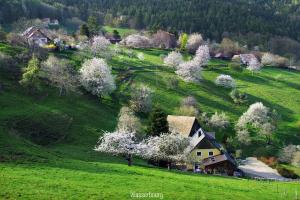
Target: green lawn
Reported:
[(122, 31), (69, 169), (74, 179)]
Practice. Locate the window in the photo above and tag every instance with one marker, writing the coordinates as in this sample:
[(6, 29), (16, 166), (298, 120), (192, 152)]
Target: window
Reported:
[(199, 153), (211, 153)]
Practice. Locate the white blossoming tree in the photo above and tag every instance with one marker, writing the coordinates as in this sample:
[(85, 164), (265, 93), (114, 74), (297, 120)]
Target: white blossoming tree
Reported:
[(260, 118), (170, 147), (194, 41), (219, 120), (290, 154), (120, 142), (136, 41), (202, 55), (100, 45), (128, 121), (243, 136), (225, 81), (141, 99), (96, 77), (268, 59), (173, 59), (254, 65), (189, 71), (60, 74)]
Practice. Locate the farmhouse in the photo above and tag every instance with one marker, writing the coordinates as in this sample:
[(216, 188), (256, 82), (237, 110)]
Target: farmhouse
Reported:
[(36, 36), (208, 155)]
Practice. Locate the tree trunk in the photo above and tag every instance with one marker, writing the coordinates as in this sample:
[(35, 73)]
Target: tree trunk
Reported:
[(129, 160)]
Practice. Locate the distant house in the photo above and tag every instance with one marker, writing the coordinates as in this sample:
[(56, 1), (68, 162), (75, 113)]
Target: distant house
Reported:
[(163, 39), (222, 56), (208, 154), (36, 36), (246, 58), (50, 22)]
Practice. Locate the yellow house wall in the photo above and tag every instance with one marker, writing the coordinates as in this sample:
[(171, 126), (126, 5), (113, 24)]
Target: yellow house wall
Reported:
[(204, 153)]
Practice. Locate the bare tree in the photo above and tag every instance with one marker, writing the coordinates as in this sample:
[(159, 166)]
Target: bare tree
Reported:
[(60, 74)]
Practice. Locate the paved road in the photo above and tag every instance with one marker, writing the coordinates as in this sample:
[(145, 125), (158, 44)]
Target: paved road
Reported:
[(257, 169)]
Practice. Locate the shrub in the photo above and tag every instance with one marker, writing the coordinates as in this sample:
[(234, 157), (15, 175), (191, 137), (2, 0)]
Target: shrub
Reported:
[(225, 81), (7, 64), (238, 97), (287, 173), (188, 111), (141, 56)]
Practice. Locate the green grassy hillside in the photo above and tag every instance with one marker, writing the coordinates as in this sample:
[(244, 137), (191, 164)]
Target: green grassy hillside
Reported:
[(70, 169)]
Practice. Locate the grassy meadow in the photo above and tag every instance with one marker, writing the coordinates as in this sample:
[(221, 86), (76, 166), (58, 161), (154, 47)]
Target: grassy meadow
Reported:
[(70, 169)]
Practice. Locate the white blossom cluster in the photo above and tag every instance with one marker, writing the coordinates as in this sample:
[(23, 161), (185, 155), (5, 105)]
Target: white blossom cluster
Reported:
[(254, 65), (225, 81), (173, 59), (137, 41), (190, 71), (194, 41), (96, 77), (171, 147)]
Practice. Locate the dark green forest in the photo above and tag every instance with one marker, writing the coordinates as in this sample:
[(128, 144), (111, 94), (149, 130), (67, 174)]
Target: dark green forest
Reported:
[(273, 25)]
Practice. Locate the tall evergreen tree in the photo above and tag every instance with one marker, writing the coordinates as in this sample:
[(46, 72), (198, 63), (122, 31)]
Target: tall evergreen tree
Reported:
[(158, 122), (93, 25), (84, 30)]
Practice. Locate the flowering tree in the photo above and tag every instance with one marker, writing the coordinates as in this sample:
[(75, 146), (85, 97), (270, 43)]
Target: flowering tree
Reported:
[(141, 99), (30, 77), (136, 41), (268, 59), (60, 74), (171, 147), (128, 121), (225, 81), (183, 41), (173, 59), (219, 120), (189, 71), (100, 46), (260, 118), (96, 77), (254, 65), (202, 55), (243, 136), (194, 41), (287, 153), (274, 60), (188, 107), (189, 101), (119, 142)]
